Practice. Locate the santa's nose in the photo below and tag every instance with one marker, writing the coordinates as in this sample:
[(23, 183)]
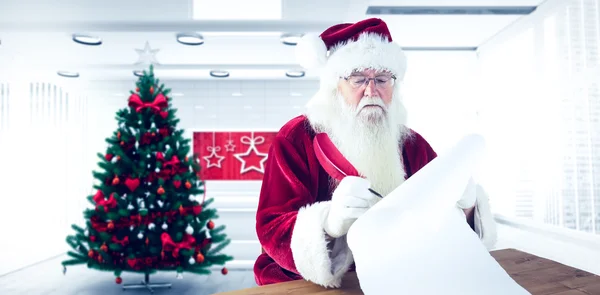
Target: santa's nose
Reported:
[(370, 89)]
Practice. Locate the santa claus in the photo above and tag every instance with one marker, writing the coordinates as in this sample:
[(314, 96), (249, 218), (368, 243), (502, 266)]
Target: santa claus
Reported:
[(303, 214)]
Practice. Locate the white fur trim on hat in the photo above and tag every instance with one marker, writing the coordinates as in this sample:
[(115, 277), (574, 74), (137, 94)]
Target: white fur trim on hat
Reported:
[(311, 52), (369, 51)]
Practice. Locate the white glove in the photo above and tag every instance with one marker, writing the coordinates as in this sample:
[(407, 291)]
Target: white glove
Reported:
[(469, 196), (350, 200)]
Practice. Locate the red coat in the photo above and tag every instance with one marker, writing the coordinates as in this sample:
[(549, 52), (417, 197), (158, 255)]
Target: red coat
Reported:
[(294, 203)]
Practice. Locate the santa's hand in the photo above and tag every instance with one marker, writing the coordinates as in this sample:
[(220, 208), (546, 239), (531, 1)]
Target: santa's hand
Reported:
[(350, 200), (468, 197)]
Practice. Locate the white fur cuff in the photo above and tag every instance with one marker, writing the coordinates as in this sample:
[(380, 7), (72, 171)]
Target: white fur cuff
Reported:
[(485, 226), (310, 250)]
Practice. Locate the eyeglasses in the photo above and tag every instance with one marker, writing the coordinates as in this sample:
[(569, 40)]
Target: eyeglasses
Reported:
[(381, 82)]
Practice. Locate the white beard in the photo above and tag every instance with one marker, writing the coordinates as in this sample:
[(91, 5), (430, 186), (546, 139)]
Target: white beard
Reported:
[(370, 139)]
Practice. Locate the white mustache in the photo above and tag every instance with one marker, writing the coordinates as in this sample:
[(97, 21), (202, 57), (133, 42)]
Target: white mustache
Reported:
[(376, 101)]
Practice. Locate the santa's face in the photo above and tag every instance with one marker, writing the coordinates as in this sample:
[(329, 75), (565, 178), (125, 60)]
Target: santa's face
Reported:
[(369, 93), (366, 125)]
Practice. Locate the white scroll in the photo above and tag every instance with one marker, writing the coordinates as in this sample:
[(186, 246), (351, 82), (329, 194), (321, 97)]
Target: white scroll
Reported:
[(416, 241)]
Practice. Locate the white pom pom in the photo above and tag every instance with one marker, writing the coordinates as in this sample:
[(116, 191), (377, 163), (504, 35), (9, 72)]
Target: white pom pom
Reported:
[(311, 52)]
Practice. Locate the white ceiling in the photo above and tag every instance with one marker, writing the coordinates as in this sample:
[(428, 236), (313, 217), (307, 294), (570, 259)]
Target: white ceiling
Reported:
[(36, 35)]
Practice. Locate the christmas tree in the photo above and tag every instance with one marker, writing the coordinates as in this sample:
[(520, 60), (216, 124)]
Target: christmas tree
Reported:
[(149, 209)]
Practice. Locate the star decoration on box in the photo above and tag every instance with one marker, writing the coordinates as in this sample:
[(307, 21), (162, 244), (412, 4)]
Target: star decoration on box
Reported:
[(147, 55), (213, 155), (252, 142), (230, 147)]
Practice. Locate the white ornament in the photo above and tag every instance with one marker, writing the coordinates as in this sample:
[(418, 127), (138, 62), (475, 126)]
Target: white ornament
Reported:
[(142, 204), (140, 236), (192, 261), (147, 194), (160, 203), (151, 206), (189, 230), (130, 207), (124, 196), (192, 198), (230, 147), (113, 160), (137, 144), (86, 232), (147, 55), (213, 154), (157, 170), (131, 227), (165, 226), (148, 156), (149, 166), (140, 122), (252, 142), (151, 226), (153, 125)]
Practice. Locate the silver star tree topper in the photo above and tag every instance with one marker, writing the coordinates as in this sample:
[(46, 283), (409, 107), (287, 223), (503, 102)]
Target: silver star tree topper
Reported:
[(147, 55)]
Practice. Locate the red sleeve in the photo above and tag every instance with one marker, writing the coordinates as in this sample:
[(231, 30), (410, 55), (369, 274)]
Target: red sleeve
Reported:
[(289, 220), (284, 191)]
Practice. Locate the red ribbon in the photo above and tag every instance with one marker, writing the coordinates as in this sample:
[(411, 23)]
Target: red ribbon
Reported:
[(159, 103), (170, 246), (100, 201), (121, 242)]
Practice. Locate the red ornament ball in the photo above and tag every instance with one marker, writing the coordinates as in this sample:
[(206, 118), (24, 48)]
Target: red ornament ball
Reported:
[(160, 190), (118, 280), (108, 157), (92, 238), (188, 184), (200, 258), (224, 271), (210, 225), (115, 180), (151, 89)]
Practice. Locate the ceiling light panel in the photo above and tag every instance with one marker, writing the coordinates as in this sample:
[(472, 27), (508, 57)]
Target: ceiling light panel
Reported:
[(237, 10), (87, 39), (192, 39), (68, 74)]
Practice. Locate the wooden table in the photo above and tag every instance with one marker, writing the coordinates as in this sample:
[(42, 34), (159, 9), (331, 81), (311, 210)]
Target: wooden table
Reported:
[(538, 275)]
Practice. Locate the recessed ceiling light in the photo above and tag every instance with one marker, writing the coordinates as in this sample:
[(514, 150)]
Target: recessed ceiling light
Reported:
[(138, 73), (295, 74), (290, 39), (190, 39), (87, 40), (68, 74), (219, 74)]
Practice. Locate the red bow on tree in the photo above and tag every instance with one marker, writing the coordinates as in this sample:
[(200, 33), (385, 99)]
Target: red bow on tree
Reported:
[(121, 242), (100, 201), (170, 246), (159, 103), (170, 166)]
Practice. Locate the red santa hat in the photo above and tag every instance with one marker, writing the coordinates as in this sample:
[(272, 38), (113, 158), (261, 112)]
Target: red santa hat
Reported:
[(344, 48)]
